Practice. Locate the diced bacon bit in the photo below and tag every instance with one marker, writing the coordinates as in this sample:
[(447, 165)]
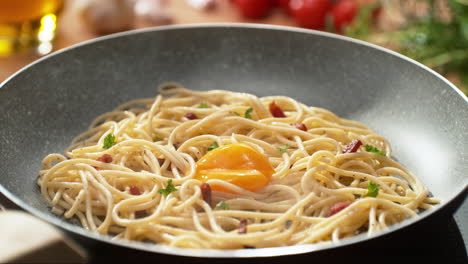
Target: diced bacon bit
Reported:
[(337, 208), (206, 192), (353, 146), (134, 190), (161, 161), (300, 126), (105, 158), (243, 226), (275, 110), (190, 116), (140, 214)]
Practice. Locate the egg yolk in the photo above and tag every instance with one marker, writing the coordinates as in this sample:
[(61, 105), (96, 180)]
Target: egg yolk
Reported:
[(239, 164)]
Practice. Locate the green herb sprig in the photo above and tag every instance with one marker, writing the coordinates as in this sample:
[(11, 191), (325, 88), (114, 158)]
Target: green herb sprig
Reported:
[(375, 150), (213, 146), (248, 113), (109, 141), (372, 190), (203, 105), (170, 188), (222, 205), (284, 148)]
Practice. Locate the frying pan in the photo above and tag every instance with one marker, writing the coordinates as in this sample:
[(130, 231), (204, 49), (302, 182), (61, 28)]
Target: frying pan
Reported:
[(54, 99)]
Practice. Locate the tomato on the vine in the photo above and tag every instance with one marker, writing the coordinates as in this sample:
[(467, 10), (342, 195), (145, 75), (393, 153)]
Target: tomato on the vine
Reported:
[(343, 13), (254, 8), (284, 4), (310, 13)]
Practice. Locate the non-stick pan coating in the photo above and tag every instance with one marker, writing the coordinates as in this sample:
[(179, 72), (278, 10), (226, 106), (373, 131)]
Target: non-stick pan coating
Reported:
[(48, 103)]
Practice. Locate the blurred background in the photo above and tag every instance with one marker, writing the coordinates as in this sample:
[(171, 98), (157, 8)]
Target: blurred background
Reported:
[(433, 32)]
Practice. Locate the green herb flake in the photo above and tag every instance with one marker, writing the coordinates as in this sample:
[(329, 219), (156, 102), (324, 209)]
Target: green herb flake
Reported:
[(109, 141), (375, 150), (222, 205), (284, 149), (372, 190), (169, 189), (158, 139), (203, 105), (248, 113), (213, 146)]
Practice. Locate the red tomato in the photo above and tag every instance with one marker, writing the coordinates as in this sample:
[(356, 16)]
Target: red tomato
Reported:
[(284, 4), (254, 8), (310, 13), (343, 14)]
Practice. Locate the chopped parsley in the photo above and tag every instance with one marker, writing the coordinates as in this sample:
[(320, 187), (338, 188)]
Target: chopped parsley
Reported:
[(372, 190), (248, 113), (203, 105), (158, 139), (375, 150), (284, 149), (109, 141), (222, 205), (213, 146), (169, 189)]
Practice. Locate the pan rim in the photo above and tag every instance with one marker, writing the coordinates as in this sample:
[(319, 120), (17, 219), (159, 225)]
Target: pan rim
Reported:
[(238, 253), (235, 25)]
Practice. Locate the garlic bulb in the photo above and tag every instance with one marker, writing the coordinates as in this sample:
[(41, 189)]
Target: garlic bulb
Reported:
[(107, 16), (202, 4), (152, 13)]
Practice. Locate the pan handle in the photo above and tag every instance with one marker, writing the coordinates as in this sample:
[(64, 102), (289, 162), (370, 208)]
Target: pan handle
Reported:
[(25, 239)]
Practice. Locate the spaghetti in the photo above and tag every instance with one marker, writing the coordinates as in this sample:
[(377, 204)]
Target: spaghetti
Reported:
[(220, 169)]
